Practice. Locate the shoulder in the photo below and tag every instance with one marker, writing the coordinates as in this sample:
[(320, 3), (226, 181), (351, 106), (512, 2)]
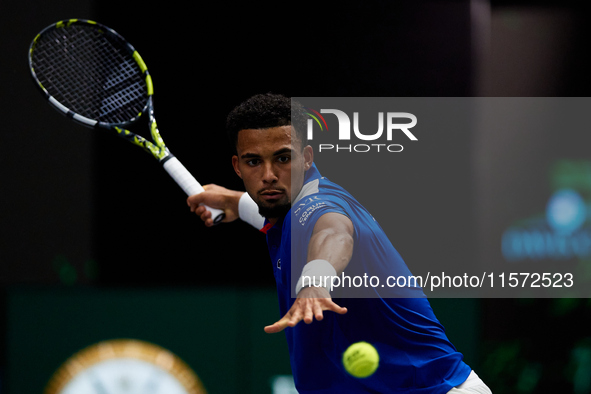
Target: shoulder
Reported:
[(311, 206), (317, 198)]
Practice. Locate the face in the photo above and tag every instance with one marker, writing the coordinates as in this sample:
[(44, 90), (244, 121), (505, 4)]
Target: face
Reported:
[(272, 166)]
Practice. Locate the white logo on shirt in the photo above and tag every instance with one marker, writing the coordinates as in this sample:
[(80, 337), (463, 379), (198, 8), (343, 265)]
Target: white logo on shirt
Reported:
[(304, 209)]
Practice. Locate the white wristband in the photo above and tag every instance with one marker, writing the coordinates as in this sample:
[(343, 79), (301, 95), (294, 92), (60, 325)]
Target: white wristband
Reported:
[(317, 273), (249, 212)]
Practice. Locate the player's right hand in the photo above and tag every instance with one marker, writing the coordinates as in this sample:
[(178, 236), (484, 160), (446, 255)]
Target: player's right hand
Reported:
[(216, 197)]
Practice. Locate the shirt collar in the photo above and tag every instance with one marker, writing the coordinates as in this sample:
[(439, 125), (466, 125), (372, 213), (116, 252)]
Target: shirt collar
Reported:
[(310, 186)]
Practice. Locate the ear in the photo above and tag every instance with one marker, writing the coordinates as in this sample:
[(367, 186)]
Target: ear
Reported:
[(308, 157), (235, 165)]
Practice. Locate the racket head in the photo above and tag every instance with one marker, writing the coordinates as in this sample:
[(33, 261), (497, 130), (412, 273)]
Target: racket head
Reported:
[(90, 73)]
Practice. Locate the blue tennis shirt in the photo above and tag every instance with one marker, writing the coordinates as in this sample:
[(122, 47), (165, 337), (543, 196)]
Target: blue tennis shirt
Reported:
[(415, 354)]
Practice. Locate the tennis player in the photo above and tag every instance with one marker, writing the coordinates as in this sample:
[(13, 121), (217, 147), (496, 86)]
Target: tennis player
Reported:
[(317, 229)]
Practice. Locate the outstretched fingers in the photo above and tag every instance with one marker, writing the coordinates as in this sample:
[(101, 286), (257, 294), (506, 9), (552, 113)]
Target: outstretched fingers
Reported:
[(306, 309)]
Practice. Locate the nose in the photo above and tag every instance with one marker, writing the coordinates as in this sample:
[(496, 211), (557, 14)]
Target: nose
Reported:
[(269, 174)]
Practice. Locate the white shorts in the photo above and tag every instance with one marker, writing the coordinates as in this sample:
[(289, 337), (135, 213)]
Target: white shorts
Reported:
[(472, 385)]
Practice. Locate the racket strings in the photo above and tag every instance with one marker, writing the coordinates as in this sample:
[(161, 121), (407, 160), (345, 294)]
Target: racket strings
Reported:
[(90, 72)]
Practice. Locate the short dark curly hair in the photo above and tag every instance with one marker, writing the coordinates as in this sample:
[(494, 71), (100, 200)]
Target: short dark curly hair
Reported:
[(264, 111)]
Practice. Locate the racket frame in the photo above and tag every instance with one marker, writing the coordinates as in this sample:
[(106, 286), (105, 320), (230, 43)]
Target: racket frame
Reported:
[(157, 148)]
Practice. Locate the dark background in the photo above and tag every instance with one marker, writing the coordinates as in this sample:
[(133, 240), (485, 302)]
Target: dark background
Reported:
[(333, 49), (84, 211)]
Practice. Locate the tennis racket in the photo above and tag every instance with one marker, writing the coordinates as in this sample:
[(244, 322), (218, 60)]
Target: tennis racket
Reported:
[(91, 74)]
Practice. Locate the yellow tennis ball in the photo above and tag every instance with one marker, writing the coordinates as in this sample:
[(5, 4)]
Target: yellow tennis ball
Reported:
[(361, 359)]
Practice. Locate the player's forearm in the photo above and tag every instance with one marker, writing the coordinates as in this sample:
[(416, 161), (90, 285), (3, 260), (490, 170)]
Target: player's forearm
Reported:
[(329, 250), (329, 253), (334, 247)]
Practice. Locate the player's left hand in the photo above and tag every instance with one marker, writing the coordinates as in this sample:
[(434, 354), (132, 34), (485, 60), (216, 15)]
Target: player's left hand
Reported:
[(310, 304)]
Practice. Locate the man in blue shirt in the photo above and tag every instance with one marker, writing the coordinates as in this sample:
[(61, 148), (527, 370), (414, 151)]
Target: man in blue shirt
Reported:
[(317, 230)]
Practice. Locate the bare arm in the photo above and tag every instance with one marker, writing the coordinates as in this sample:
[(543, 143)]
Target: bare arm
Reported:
[(331, 240)]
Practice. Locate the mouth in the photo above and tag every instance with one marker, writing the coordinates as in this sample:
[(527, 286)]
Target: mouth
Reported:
[(271, 195)]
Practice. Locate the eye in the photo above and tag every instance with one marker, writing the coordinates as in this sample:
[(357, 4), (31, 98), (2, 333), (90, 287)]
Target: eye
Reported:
[(283, 159), (253, 162)]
